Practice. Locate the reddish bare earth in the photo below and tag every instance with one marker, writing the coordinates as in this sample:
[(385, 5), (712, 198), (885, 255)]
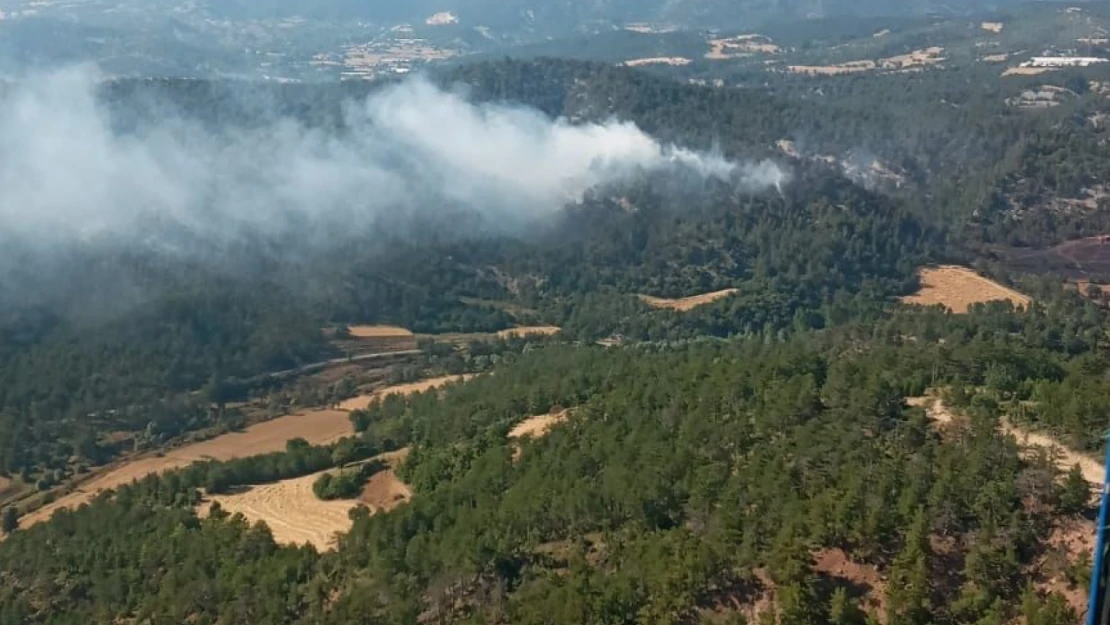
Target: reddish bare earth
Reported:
[(863, 578)]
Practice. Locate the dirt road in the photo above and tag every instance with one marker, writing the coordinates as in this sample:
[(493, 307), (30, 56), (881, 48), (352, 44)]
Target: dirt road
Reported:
[(1065, 458)]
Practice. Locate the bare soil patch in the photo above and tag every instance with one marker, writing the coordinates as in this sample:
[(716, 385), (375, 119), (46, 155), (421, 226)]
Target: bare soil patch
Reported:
[(740, 46), (384, 491), (1026, 71), (957, 288), (992, 27), (863, 580), (535, 427), (674, 61), (1080, 259), (996, 58), (1065, 458), (686, 303), (1071, 538), (539, 425), (377, 332), (529, 330), (362, 401), (917, 58)]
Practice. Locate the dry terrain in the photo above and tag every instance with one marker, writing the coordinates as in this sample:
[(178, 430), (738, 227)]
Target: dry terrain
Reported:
[(538, 426), (527, 330), (296, 515), (1071, 538), (865, 578), (1080, 259), (292, 511), (915, 60), (318, 427), (384, 491), (377, 332), (684, 304), (850, 67), (957, 288), (362, 401), (674, 61), (1065, 458), (1026, 71), (993, 27), (740, 46)]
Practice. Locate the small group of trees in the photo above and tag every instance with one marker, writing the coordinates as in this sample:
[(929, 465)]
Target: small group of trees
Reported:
[(346, 484)]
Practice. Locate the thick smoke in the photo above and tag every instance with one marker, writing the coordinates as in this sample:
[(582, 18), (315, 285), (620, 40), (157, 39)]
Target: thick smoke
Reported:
[(67, 174)]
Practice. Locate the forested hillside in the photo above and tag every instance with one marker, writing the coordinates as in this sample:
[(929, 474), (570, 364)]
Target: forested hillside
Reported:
[(771, 456)]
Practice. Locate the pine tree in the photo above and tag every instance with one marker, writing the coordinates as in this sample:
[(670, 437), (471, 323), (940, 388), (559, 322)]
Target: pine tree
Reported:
[(9, 522), (843, 610), (908, 592), (1075, 494)]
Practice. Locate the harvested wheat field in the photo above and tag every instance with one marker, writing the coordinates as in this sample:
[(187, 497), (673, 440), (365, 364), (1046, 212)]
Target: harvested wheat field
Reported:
[(362, 401), (992, 27), (318, 427), (1026, 71), (378, 332), (529, 330), (294, 513), (957, 288), (684, 304)]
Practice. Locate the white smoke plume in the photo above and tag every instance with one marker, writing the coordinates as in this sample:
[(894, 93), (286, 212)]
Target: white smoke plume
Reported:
[(65, 173)]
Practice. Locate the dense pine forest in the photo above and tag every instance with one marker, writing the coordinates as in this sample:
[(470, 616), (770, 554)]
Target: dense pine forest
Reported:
[(712, 460)]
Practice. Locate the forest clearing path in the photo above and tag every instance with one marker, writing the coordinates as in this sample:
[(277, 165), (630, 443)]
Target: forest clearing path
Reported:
[(1065, 458)]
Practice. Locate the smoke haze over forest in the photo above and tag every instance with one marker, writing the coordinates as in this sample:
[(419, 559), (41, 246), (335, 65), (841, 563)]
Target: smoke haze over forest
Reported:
[(67, 172)]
